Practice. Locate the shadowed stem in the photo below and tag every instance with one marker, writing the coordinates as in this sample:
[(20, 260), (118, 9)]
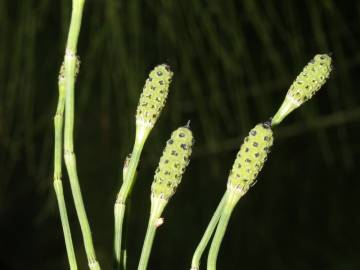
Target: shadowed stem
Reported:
[(142, 133), (58, 125), (69, 155), (231, 200), (157, 207), (195, 263)]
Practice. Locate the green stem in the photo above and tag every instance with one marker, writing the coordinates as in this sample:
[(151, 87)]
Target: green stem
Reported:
[(285, 109), (58, 126), (69, 155), (128, 182), (195, 264), (230, 203), (157, 207), (123, 249), (65, 224), (119, 211)]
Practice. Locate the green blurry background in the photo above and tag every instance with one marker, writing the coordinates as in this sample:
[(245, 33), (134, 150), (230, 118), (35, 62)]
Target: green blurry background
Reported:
[(233, 62)]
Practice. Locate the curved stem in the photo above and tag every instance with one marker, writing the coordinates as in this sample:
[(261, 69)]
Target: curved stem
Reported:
[(157, 207), (195, 263), (221, 228), (128, 182)]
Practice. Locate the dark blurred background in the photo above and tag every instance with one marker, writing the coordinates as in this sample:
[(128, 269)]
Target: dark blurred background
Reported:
[(233, 63)]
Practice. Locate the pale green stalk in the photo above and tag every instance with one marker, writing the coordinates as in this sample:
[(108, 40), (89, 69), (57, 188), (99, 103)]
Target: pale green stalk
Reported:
[(58, 125), (142, 133), (232, 199), (123, 254), (195, 263), (157, 207), (69, 155)]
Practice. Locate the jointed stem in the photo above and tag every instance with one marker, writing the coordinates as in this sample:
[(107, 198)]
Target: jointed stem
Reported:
[(69, 155), (58, 125), (65, 224), (119, 211), (157, 207), (125, 190), (195, 264), (221, 228)]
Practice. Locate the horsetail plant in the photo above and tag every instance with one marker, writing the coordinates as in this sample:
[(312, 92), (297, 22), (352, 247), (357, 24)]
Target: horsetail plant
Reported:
[(151, 103), (67, 82), (58, 186), (128, 208), (168, 175), (306, 84), (195, 262), (248, 163)]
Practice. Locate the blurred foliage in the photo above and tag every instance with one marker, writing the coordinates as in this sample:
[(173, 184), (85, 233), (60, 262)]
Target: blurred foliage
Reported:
[(233, 62)]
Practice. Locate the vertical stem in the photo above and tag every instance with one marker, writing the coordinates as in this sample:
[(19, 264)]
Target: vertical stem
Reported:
[(69, 155), (65, 224), (58, 125), (123, 248), (125, 190), (195, 264), (221, 228), (149, 239), (157, 207), (119, 211)]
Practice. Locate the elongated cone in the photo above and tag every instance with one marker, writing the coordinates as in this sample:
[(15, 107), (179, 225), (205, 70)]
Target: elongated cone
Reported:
[(306, 84), (173, 163), (154, 95), (251, 158)]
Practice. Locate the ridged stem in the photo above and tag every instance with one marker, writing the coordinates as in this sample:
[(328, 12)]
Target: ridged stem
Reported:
[(157, 207), (58, 126), (232, 199), (195, 263), (69, 155), (142, 133)]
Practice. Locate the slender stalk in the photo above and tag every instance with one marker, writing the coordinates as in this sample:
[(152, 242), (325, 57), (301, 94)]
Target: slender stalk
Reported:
[(58, 125), (142, 133), (157, 207), (127, 214), (195, 264), (65, 224), (119, 211), (123, 252), (285, 109), (229, 205), (123, 249), (69, 155), (148, 242)]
